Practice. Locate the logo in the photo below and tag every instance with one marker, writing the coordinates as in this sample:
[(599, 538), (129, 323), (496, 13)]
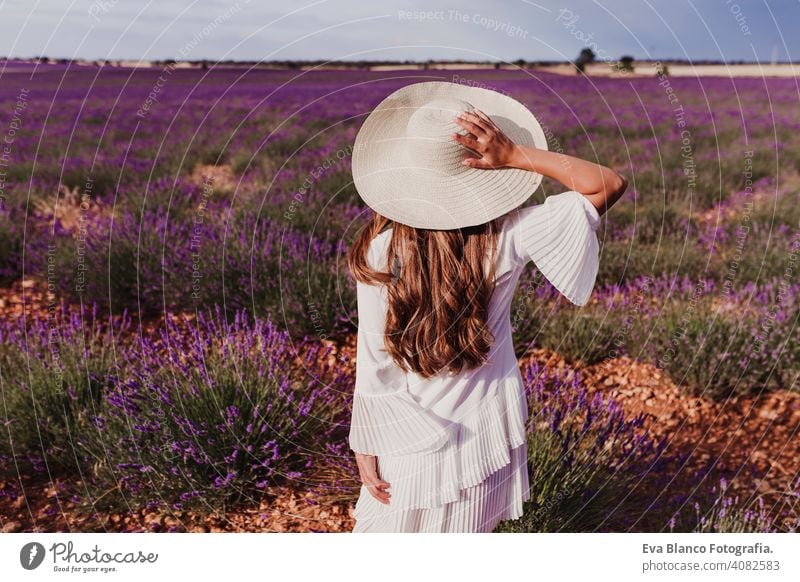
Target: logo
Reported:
[(31, 555)]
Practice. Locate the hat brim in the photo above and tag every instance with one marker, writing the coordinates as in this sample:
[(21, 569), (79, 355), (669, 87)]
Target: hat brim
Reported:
[(393, 186)]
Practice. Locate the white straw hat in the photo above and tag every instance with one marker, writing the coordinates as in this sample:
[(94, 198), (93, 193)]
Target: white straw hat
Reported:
[(407, 167)]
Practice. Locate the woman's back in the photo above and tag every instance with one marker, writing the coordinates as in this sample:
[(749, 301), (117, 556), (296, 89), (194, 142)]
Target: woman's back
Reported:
[(558, 235)]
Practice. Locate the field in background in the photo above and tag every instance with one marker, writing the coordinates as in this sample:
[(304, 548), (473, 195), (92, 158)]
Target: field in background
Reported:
[(204, 216)]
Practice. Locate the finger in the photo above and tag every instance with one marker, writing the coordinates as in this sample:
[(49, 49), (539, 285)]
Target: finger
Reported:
[(476, 163), (374, 480), (466, 141), (469, 135), (378, 484), (488, 120), (470, 128), (381, 499), (470, 125), (478, 121), (380, 495)]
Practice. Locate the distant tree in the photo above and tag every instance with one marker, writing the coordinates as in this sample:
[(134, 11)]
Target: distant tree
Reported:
[(662, 70), (586, 56), (625, 64), (521, 63)]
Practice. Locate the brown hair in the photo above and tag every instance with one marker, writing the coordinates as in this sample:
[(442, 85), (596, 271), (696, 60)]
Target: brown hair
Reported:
[(438, 295)]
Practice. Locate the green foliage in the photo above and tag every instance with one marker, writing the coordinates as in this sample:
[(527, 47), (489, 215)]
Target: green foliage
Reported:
[(586, 463), (55, 379), (623, 260)]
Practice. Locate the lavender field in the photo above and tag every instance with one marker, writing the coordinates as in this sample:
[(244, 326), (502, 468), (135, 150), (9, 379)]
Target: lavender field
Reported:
[(194, 347)]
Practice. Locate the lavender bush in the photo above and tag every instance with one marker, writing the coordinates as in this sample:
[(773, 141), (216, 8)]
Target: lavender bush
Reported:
[(729, 513), (245, 263), (741, 344), (11, 246), (587, 459), (712, 339), (55, 375), (593, 469), (210, 417)]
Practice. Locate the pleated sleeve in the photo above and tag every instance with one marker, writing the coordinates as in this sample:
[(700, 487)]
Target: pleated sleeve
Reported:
[(386, 419), (560, 237)]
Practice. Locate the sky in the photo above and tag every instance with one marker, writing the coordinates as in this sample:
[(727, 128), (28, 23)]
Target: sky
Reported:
[(493, 30)]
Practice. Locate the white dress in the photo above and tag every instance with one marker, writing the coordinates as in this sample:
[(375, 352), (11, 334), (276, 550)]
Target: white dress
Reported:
[(453, 447)]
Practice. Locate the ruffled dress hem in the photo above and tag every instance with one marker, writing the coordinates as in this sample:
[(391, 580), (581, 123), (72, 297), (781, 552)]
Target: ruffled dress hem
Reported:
[(480, 468)]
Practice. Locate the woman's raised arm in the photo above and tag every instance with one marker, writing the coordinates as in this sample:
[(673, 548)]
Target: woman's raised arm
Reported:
[(600, 184)]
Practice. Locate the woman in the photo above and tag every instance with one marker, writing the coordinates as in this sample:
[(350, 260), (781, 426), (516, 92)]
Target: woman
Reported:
[(439, 411)]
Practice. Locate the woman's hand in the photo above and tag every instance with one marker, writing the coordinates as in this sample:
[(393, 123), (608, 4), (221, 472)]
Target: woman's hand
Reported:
[(368, 473), (495, 148), (600, 184)]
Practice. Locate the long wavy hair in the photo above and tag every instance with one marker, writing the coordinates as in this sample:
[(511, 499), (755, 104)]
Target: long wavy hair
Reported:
[(439, 285)]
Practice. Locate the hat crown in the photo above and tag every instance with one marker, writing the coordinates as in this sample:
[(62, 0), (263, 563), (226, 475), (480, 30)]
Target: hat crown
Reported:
[(407, 167), (428, 142)]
